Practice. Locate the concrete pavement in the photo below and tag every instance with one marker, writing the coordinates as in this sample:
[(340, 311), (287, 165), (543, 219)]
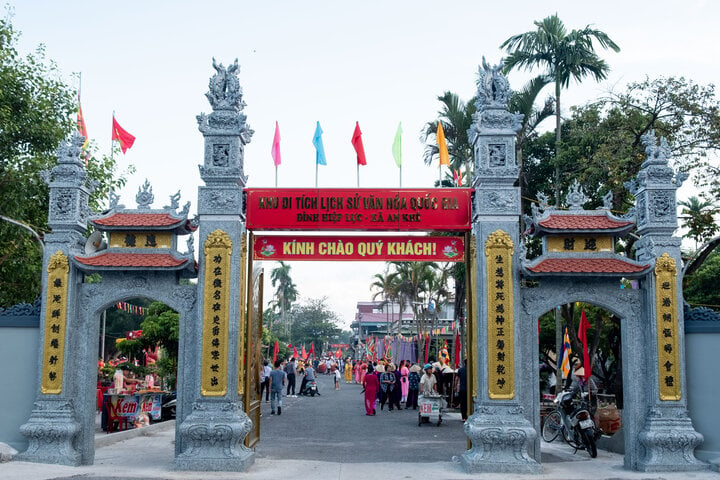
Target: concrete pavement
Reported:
[(339, 443)]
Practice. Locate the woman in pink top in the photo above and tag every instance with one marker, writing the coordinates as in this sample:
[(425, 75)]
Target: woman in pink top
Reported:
[(404, 385)]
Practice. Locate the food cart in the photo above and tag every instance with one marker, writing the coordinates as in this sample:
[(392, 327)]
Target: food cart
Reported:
[(123, 409), (431, 407)]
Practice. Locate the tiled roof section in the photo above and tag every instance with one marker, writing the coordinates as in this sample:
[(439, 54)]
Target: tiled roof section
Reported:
[(142, 260), (582, 222), (587, 265), (139, 220)]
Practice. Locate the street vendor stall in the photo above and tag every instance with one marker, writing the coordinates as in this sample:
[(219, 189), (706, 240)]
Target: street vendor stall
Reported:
[(127, 410)]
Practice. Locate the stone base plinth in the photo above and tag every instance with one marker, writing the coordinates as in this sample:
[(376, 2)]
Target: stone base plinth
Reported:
[(51, 431), (669, 441), (213, 435)]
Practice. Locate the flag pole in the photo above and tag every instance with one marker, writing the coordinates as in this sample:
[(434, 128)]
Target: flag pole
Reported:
[(400, 176), (358, 175), (111, 141), (316, 174), (275, 176)]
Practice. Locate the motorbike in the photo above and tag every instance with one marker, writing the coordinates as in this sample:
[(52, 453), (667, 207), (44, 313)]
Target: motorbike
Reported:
[(310, 389), (574, 421)]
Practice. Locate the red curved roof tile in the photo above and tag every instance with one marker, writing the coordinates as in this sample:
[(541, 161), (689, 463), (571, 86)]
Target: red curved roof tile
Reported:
[(582, 222), (139, 220), (587, 265), (146, 260)]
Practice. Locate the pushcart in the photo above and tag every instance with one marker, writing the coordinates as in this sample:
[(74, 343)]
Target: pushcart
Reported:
[(431, 407)]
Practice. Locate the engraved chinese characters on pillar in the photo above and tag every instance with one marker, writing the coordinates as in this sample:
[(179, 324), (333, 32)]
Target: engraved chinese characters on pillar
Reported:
[(500, 321), (667, 328), (218, 248), (55, 319)]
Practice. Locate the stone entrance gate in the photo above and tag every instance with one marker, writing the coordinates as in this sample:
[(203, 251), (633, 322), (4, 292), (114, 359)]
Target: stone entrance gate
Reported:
[(504, 426)]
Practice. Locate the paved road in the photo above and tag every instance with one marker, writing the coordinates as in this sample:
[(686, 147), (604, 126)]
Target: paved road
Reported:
[(334, 427)]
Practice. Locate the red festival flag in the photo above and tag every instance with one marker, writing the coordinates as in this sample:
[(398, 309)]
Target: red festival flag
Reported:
[(582, 336), (81, 125), (357, 143), (304, 353), (275, 351), (295, 352), (125, 139), (312, 349), (275, 151)]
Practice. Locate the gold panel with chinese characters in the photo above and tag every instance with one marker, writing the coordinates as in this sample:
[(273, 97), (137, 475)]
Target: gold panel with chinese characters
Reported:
[(500, 316), (55, 324), (242, 327), (667, 328), (214, 374), (140, 240), (579, 244)]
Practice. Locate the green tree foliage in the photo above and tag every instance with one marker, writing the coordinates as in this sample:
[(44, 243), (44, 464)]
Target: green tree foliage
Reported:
[(314, 322), (37, 112), (698, 216), (701, 288), (563, 55)]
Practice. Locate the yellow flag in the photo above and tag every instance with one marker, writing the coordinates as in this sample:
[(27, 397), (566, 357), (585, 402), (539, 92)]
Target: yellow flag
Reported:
[(442, 146)]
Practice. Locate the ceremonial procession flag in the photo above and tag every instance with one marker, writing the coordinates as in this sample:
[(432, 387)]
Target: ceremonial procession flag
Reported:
[(81, 126), (397, 149), (312, 349), (125, 139), (458, 348), (566, 351), (319, 148), (582, 336), (275, 350), (357, 143), (275, 150), (442, 146)]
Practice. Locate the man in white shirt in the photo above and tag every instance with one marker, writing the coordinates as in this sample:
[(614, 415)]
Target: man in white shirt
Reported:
[(428, 382)]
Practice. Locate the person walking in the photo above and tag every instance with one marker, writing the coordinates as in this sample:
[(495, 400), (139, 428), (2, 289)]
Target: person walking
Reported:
[(291, 371), (348, 371), (337, 377), (370, 387), (413, 387), (265, 380), (462, 389), (276, 379), (387, 384), (397, 390)]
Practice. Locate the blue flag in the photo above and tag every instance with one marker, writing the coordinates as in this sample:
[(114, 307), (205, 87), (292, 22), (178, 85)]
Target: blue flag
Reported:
[(320, 150)]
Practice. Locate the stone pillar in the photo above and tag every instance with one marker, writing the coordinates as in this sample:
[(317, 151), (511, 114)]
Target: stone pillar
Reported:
[(211, 424), (501, 426), (659, 435), (56, 429)]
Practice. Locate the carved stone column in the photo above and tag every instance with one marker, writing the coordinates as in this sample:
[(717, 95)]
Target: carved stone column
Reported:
[(211, 424), (53, 429), (500, 428), (666, 439)]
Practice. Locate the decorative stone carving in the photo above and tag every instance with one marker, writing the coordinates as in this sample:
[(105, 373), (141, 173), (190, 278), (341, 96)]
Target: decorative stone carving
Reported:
[(669, 442), (145, 197), (213, 437), (493, 88), (174, 202), (225, 92), (576, 197), (501, 438), (51, 432), (186, 296), (113, 200)]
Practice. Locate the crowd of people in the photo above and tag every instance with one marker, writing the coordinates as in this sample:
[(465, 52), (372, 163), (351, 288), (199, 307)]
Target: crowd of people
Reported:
[(383, 382)]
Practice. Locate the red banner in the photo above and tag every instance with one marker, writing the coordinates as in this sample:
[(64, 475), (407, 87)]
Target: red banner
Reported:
[(372, 248), (441, 209)]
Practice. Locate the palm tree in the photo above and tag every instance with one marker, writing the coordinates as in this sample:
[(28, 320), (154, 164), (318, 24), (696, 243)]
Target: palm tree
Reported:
[(699, 218), (564, 56), (456, 118), (387, 287), (286, 292)]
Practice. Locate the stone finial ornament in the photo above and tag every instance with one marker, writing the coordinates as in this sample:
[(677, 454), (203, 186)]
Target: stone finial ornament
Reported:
[(493, 87), (144, 197), (225, 92), (576, 197)]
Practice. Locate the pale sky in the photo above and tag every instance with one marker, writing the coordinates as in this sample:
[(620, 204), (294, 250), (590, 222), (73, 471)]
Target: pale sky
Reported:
[(337, 62)]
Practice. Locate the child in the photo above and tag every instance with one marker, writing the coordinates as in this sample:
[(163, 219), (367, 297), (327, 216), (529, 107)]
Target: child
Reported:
[(337, 379)]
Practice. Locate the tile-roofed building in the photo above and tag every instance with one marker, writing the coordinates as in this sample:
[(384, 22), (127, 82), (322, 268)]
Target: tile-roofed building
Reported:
[(580, 242), (141, 239)]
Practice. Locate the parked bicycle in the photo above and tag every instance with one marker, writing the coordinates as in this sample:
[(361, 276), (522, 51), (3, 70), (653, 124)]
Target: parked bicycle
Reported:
[(573, 421)]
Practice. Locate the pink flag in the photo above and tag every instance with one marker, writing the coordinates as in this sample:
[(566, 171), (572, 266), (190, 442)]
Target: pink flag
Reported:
[(275, 151)]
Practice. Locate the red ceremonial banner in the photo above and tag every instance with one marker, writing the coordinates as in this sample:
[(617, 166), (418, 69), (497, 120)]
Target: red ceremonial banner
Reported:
[(371, 248), (440, 209)]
